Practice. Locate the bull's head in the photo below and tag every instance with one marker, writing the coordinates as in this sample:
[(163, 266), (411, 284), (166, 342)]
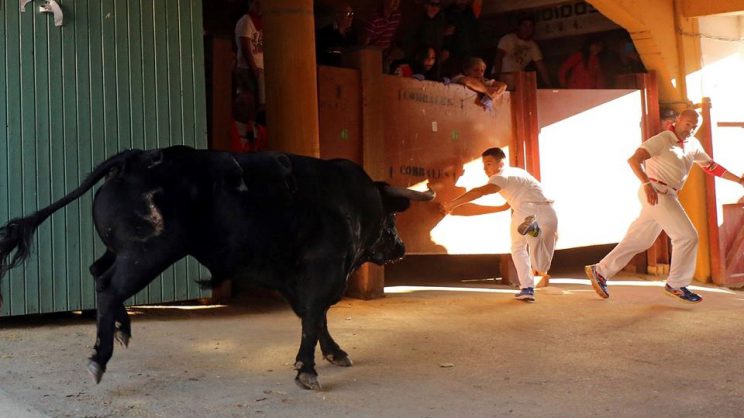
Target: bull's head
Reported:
[(389, 246)]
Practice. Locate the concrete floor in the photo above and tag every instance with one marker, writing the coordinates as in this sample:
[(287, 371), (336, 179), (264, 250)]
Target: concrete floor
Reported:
[(469, 350)]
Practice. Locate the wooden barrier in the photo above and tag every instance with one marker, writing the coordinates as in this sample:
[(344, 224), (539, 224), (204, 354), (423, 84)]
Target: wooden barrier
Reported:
[(731, 241), (432, 131), (657, 259)]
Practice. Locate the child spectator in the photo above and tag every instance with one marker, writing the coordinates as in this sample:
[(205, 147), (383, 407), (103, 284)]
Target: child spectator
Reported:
[(424, 66)]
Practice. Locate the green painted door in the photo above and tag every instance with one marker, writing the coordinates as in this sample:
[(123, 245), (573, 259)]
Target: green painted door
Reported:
[(118, 74)]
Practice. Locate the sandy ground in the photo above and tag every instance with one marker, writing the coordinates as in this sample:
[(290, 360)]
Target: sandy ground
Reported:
[(430, 352)]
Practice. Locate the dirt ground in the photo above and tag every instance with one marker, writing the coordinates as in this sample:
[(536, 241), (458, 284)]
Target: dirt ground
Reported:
[(469, 351)]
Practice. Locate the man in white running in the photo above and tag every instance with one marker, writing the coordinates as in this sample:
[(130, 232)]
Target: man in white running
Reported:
[(662, 164), (534, 223)]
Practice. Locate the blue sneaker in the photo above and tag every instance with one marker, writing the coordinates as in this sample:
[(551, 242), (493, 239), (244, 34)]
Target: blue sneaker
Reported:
[(599, 283), (527, 294), (529, 227), (682, 294)]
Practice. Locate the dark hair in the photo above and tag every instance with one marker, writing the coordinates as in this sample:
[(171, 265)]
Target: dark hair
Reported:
[(494, 152), (525, 17), (418, 61), (586, 48)]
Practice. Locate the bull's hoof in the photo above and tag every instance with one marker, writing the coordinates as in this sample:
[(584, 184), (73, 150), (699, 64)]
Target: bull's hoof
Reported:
[(307, 381), (123, 338), (95, 370), (344, 361)]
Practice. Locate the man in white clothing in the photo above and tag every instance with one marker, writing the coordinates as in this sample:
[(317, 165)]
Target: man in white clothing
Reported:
[(534, 224), (250, 56), (515, 51), (662, 164)]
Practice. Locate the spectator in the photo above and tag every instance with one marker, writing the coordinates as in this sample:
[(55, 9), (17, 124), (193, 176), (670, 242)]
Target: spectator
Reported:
[(249, 71), (381, 28), (332, 40), (401, 68), (667, 117), (424, 66), (583, 70), (473, 77), (462, 42), (516, 50), (429, 30)]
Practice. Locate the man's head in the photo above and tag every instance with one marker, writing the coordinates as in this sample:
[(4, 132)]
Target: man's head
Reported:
[(493, 160), (686, 124), (474, 67), (432, 7), (526, 27), (255, 7), (390, 6), (344, 16)]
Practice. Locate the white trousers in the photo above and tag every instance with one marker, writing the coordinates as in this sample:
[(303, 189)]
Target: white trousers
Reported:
[(530, 252), (669, 215)]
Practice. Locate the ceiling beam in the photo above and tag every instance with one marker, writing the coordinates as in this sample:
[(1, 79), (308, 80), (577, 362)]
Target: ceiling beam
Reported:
[(696, 8)]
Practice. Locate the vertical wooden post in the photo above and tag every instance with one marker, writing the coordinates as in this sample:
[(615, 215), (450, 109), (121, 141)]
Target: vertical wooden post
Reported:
[(369, 281), (526, 149), (526, 152), (222, 93), (291, 77), (706, 138)]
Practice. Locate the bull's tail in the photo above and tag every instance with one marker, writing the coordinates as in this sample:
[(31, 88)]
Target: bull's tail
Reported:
[(16, 236)]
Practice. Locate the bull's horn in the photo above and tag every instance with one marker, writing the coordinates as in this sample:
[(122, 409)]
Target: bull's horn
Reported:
[(411, 194)]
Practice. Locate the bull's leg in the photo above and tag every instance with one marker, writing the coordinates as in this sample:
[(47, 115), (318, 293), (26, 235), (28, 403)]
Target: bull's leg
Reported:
[(104, 347), (321, 287), (123, 326), (307, 377), (102, 271), (129, 274), (331, 351)]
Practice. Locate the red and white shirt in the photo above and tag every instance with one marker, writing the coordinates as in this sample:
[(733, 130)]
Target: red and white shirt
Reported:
[(671, 159)]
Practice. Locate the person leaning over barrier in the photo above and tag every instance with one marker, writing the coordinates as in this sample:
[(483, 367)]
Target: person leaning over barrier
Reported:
[(473, 77), (532, 244), (662, 163)]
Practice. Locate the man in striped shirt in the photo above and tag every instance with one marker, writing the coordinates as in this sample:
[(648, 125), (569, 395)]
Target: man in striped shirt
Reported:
[(380, 29)]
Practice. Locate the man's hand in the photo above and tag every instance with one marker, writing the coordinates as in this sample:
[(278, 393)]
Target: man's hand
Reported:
[(651, 195), (496, 90)]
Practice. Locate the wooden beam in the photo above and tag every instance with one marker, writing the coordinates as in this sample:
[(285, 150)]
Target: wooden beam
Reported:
[(731, 124), (695, 8), (706, 134)]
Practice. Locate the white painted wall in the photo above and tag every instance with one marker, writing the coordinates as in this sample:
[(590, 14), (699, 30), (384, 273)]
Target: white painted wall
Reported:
[(722, 79)]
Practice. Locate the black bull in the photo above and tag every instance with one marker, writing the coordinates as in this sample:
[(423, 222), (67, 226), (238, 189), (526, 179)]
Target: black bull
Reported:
[(295, 224)]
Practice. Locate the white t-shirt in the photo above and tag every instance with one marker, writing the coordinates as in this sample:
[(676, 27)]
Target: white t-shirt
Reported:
[(670, 162), (519, 53), (518, 187), (246, 29)]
